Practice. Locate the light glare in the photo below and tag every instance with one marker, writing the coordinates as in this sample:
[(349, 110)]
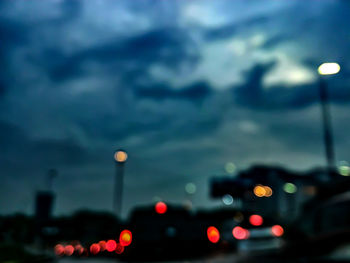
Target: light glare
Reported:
[(328, 68)]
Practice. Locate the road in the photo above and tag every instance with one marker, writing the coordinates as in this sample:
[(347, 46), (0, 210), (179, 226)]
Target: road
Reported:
[(218, 259)]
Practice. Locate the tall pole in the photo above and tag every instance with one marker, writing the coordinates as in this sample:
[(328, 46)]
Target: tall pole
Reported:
[(329, 68), (120, 157), (327, 125)]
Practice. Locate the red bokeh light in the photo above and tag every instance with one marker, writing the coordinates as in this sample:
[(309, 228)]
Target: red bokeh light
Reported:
[(125, 238), (161, 208), (59, 250), (111, 245), (119, 249), (69, 250), (277, 230), (240, 233), (102, 245), (213, 234), (95, 249), (79, 249), (256, 220)]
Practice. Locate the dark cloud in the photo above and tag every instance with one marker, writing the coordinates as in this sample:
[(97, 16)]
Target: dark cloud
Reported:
[(194, 92), (168, 46)]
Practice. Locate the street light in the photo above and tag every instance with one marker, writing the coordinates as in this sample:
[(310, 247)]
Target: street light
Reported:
[(120, 157), (326, 69)]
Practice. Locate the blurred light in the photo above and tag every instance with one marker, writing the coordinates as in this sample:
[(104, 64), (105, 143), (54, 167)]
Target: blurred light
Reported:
[(125, 238), (240, 233), (328, 68), (95, 249), (161, 208), (268, 191), (120, 156), (256, 220), (290, 188), (171, 231), (213, 234), (59, 250), (111, 245), (344, 169), (102, 245), (69, 250), (277, 230), (79, 248), (310, 190), (227, 199), (238, 217), (119, 249), (190, 188), (259, 191), (230, 168)]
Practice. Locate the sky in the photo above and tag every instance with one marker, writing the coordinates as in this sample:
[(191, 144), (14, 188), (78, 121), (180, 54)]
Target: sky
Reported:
[(185, 87)]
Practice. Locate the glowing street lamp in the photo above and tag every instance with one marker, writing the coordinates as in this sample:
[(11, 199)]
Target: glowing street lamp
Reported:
[(120, 158), (326, 69)]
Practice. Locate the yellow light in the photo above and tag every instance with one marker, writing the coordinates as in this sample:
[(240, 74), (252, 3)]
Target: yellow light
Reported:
[(268, 191), (120, 156), (259, 191), (328, 68)]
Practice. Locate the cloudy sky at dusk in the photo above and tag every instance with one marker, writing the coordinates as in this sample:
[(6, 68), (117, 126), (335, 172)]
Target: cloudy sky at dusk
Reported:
[(184, 86)]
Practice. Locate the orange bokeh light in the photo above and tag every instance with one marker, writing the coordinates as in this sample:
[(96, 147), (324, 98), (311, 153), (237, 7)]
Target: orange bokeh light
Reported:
[(213, 234), (120, 156), (259, 191), (125, 238)]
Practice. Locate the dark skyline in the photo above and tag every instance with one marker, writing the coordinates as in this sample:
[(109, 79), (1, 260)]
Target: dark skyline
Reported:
[(184, 86)]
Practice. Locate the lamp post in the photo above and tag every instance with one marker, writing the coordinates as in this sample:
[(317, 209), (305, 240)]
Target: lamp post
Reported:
[(326, 69), (120, 158)]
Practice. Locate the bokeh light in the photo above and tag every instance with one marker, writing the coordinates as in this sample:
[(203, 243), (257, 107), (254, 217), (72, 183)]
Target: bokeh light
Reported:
[(290, 188), (277, 230), (119, 249), (268, 191), (240, 233), (125, 238), (120, 156), (230, 168), (59, 250), (238, 217), (102, 245), (161, 208), (259, 191), (344, 170), (213, 234), (227, 199), (95, 249), (256, 220), (190, 188), (68, 250), (111, 245), (79, 249), (328, 68)]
